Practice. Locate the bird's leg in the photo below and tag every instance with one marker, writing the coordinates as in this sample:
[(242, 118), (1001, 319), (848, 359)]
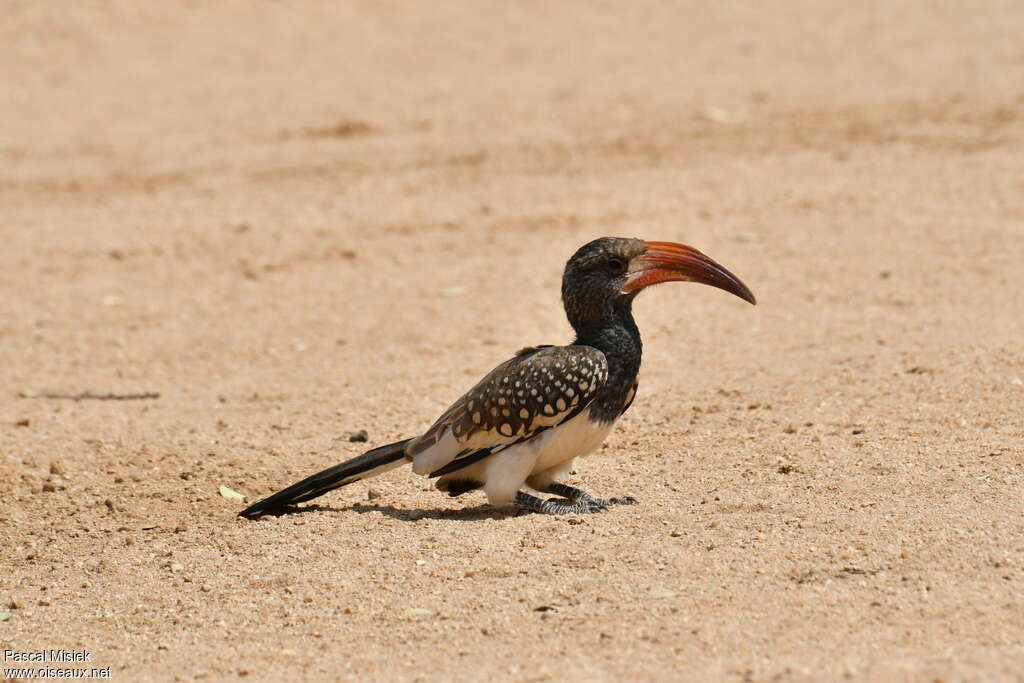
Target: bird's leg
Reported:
[(580, 496), (556, 507)]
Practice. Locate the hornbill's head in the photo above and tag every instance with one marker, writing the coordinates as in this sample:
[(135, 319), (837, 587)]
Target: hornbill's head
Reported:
[(609, 272)]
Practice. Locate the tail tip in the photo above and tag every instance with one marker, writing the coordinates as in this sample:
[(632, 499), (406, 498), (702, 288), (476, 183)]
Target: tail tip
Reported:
[(251, 512), (261, 509)]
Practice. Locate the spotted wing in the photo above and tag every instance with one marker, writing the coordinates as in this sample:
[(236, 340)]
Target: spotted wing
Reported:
[(537, 389)]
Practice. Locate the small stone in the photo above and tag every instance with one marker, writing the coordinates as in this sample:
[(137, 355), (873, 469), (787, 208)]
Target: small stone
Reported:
[(177, 567), (25, 422), (358, 436), (415, 613), (659, 593), (372, 494), (55, 468), (4, 616), (719, 115)]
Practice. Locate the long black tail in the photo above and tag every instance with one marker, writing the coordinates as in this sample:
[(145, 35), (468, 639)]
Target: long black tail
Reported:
[(369, 464)]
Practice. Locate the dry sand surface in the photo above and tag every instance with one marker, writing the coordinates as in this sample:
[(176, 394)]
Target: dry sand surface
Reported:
[(296, 220)]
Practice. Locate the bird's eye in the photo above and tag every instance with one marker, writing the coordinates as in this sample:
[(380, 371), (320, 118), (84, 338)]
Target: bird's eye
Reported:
[(616, 265)]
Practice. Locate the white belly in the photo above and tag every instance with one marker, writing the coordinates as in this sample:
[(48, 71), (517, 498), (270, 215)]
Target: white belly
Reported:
[(505, 472), (569, 440)]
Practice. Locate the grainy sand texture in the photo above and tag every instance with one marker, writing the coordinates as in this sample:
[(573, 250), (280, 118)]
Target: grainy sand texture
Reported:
[(297, 220)]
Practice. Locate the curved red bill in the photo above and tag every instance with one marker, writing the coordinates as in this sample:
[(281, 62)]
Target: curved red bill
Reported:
[(671, 262)]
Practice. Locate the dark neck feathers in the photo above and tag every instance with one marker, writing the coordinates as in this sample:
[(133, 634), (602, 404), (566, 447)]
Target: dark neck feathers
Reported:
[(617, 336)]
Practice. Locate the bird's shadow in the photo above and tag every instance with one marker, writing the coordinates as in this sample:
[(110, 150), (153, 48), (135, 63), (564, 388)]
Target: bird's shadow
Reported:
[(473, 514)]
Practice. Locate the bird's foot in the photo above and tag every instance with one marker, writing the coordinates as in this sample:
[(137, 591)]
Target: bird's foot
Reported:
[(580, 496), (558, 506)]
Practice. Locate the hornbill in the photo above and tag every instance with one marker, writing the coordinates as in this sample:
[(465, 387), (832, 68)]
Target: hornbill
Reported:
[(525, 422)]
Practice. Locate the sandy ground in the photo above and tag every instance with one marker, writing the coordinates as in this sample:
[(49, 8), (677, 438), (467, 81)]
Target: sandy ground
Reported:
[(297, 220)]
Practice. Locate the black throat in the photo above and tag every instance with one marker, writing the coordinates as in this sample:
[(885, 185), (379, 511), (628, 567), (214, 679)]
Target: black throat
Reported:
[(616, 335)]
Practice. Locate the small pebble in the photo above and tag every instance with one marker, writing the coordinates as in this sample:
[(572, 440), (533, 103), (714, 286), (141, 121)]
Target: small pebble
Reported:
[(415, 613)]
